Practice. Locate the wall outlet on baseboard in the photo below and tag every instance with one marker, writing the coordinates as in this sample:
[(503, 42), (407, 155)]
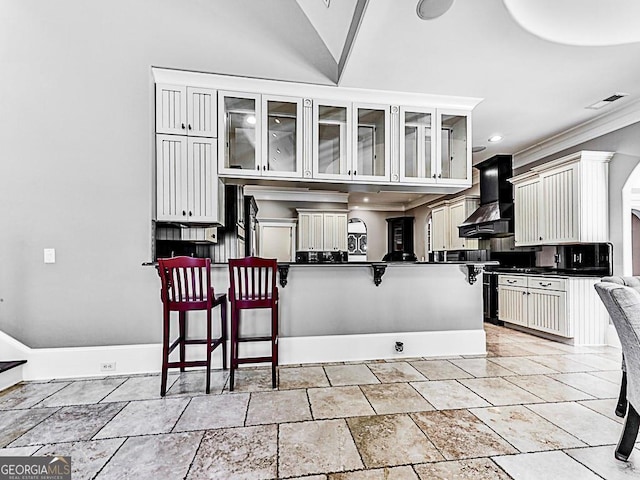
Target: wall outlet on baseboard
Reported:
[(108, 367), (399, 346)]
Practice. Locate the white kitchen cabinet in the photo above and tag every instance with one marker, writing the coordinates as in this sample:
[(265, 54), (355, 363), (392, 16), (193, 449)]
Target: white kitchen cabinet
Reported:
[(332, 151), (282, 136), (320, 230), (534, 302), (417, 145), (453, 148), (310, 231), (440, 228), (446, 217), (563, 201), (182, 110), (240, 133), (187, 187), (371, 161), (335, 232)]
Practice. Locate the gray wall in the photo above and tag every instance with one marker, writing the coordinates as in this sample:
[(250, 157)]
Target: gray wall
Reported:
[(77, 136)]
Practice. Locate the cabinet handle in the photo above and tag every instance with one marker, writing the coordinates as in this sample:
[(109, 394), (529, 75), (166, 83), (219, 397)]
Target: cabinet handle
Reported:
[(182, 125), (528, 293), (540, 238), (190, 213), (434, 175), (524, 293), (545, 284), (264, 168), (355, 173), (510, 281), (439, 175), (184, 213), (189, 126), (349, 172)]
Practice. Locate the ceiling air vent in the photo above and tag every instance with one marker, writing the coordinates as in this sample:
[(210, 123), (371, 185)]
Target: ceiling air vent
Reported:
[(606, 101)]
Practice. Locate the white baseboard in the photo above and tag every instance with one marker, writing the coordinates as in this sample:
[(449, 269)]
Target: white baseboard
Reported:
[(75, 362), (10, 377)]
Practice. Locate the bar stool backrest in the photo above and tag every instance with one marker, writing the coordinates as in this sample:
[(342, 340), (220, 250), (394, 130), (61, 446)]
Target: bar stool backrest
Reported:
[(186, 283), (252, 282)]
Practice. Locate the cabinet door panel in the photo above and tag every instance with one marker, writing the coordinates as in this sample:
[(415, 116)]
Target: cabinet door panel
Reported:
[(317, 229), (171, 109), (202, 112), (239, 126), (171, 157), (332, 140), (282, 136), (547, 311), (371, 153), (559, 213), (417, 145), (526, 214), (453, 164), (202, 181), (512, 304), (440, 228)]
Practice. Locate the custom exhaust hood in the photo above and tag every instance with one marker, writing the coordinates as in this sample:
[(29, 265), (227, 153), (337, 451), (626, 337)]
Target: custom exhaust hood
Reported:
[(494, 216)]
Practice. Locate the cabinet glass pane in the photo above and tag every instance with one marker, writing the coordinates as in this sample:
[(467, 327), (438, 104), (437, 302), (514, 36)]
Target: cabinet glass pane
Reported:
[(282, 125), (332, 131), (371, 136), (454, 146), (240, 133), (417, 144)]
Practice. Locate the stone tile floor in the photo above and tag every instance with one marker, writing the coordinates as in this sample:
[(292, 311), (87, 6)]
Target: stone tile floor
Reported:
[(529, 409)]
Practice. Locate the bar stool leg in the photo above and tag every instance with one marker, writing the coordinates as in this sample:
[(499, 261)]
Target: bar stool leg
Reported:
[(165, 351), (183, 336), (223, 317), (621, 407), (208, 389), (234, 345), (629, 435), (274, 344)]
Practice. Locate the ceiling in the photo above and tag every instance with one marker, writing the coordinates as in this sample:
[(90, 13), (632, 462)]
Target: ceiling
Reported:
[(533, 85)]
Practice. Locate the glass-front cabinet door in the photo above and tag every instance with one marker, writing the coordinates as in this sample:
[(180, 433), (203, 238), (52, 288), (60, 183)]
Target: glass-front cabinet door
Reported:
[(417, 145), (282, 136), (454, 148), (371, 159), (239, 124), (331, 140)]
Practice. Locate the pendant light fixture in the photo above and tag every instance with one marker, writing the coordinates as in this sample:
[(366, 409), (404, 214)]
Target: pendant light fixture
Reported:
[(430, 9)]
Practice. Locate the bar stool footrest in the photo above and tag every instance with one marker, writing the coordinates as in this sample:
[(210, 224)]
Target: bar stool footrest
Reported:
[(254, 360), (255, 339)]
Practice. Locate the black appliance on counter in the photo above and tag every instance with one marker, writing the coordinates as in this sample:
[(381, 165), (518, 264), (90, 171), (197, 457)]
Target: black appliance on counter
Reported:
[(585, 259), (459, 256), (321, 257), (400, 240), (494, 216)]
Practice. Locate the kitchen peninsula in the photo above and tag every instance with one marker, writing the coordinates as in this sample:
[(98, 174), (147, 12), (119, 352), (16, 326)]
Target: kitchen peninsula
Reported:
[(336, 312)]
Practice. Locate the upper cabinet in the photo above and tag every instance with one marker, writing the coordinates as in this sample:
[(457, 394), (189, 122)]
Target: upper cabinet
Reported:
[(282, 136), (184, 110), (453, 152), (275, 131), (446, 217), (563, 201), (332, 140), (371, 160), (417, 145), (239, 121)]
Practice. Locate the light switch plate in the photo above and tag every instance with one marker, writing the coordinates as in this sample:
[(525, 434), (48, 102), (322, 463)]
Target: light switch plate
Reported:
[(49, 255)]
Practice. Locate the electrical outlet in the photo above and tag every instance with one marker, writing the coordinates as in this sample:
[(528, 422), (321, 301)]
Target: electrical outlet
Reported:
[(108, 367)]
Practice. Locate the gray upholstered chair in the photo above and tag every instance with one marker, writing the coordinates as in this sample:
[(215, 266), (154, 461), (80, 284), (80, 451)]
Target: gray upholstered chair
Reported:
[(621, 297)]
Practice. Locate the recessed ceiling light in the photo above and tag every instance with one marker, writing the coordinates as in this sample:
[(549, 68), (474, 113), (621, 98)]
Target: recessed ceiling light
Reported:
[(495, 138), (478, 148), (365, 199)]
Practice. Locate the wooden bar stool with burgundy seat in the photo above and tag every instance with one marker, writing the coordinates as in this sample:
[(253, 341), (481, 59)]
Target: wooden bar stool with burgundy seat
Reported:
[(252, 283), (186, 286)]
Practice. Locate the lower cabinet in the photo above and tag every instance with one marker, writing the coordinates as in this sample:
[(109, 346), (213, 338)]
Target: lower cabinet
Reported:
[(568, 307), (536, 302)]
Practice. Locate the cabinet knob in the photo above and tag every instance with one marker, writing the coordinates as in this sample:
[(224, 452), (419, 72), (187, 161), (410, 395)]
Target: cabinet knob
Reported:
[(264, 168), (184, 213), (434, 175), (439, 175), (355, 173), (540, 238), (189, 126), (524, 293), (182, 125), (190, 213)]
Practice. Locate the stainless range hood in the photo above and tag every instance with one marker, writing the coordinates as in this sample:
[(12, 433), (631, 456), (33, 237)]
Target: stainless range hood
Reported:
[(494, 216)]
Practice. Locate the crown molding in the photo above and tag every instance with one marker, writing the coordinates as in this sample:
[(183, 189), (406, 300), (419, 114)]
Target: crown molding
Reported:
[(621, 117)]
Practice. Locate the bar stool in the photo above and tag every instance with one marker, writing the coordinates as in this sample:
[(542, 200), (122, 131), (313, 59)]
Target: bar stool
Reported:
[(186, 286), (252, 283)]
